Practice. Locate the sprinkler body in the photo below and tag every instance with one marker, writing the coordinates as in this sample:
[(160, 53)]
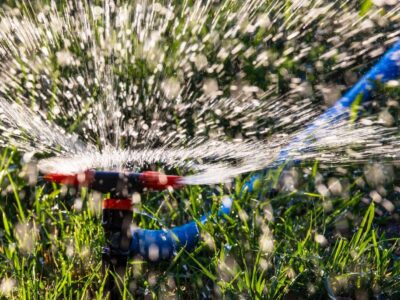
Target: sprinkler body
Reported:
[(124, 240), (150, 244)]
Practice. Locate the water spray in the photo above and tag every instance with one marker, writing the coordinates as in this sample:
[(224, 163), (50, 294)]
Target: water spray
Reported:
[(236, 74)]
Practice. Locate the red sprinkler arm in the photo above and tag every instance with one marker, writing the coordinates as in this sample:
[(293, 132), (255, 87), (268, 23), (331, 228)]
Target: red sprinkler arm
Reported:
[(83, 179), (157, 181)]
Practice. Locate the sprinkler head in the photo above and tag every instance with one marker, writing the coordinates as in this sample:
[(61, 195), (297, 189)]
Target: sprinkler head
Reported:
[(157, 181), (118, 183)]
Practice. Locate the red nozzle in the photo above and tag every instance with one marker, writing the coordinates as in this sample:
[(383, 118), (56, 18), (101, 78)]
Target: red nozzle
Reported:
[(158, 181), (84, 178)]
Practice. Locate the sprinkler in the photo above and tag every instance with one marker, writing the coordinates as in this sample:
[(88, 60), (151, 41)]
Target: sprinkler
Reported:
[(119, 184), (124, 241)]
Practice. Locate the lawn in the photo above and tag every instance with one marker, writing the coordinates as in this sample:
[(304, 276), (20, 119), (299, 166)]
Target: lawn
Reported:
[(315, 230)]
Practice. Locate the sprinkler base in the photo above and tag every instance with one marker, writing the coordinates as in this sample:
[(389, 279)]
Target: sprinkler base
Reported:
[(116, 222)]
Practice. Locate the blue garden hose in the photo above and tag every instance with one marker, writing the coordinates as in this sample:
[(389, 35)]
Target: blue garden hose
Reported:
[(165, 243), (162, 244), (388, 68)]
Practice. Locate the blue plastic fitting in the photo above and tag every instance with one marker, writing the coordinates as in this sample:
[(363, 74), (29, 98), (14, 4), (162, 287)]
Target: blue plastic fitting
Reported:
[(155, 245)]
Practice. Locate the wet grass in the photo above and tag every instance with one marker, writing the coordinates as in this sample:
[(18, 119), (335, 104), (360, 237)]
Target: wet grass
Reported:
[(295, 245)]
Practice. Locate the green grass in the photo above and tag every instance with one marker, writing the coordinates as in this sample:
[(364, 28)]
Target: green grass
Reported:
[(266, 248)]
